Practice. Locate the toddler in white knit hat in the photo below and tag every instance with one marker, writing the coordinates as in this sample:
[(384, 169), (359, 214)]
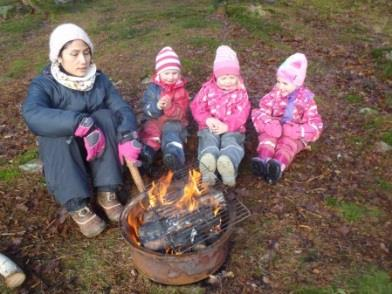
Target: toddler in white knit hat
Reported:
[(286, 120)]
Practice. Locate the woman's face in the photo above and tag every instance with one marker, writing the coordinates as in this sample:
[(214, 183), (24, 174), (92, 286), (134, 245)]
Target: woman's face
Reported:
[(76, 58)]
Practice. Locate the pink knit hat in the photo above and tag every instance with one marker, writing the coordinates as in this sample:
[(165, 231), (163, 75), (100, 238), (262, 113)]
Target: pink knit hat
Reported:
[(63, 34), (293, 69), (226, 62), (167, 59)]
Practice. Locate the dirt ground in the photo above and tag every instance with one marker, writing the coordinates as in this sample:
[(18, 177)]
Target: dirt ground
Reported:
[(326, 227)]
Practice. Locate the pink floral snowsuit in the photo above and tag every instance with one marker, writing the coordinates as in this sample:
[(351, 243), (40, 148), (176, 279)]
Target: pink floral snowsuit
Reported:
[(298, 111)]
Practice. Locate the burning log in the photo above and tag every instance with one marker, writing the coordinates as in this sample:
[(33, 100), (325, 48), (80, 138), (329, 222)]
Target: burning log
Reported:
[(170, 228)]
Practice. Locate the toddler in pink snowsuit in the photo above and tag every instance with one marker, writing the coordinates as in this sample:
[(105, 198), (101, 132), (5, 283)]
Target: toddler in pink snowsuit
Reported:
[(286, 120), (221, 109)]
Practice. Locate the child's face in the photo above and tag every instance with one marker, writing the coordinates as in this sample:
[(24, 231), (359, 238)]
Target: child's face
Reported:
[(169, 76), (284, 87), (227, 82)]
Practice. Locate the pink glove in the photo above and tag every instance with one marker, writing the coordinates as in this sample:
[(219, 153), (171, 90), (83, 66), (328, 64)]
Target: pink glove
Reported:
[(292, 130), (273, 128), (129, 150), (84, 127), (94, 144)]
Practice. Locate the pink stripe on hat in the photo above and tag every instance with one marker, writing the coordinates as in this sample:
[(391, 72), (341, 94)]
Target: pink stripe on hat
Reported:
[(167, 59), (293, 69)]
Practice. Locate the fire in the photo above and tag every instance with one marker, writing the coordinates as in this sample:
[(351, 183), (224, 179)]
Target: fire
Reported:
[(158, 192), (173, 200), (191, 191)]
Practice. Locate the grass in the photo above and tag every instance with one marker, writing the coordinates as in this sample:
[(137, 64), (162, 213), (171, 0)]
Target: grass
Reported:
[(254, 23), (10, 172), (387, 138), (20, 25), (373, 281), (351, 211), (18, 68), (353, 98), (383, 61), (89, 266), (384, 185)]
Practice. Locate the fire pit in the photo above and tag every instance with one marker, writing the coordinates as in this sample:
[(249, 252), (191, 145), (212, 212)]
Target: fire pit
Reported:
[(179, 228)]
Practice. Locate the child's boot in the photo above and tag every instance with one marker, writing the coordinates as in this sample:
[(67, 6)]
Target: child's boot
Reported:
[(207, 168), (259, 167), (147, 156), (173, 156), (227, 170), (274, 171), (110, 204), (89, 223)]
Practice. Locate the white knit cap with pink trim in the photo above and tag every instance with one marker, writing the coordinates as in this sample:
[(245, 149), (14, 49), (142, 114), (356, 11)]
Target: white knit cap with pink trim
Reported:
[(63, 34), (226, 62), (293, 69), (167, 59)]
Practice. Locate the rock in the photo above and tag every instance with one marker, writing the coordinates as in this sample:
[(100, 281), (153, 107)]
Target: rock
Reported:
[(33, 166), (5, 9), (146, 80), (368, 111), (382, 147), (62, 1)]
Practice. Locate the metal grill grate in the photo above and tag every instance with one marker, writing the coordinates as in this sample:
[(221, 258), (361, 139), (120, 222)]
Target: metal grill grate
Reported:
[(190, 231)]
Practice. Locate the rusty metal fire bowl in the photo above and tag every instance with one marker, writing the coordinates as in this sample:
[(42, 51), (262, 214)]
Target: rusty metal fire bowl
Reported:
[(179, 269)]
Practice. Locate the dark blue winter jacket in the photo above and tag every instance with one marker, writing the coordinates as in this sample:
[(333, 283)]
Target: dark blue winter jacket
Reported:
[(53, 110)]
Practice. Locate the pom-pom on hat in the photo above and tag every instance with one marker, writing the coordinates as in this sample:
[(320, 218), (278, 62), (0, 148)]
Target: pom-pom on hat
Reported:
[(226, 62), (63, 34), (167, 59), (293, 69)]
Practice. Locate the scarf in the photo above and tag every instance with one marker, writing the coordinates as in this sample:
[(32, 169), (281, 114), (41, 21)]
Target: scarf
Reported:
[(85, 83)]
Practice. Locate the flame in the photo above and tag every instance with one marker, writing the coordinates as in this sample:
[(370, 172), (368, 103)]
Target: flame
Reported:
[(134, 222), (191, 191), (158, 192)]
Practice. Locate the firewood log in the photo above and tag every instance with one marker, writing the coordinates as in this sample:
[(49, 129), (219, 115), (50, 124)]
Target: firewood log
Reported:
[(12, 274)]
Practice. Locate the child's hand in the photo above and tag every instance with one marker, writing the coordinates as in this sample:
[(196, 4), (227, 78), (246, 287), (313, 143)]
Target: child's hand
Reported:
[(164, 102), (216, 126), (220, 128)]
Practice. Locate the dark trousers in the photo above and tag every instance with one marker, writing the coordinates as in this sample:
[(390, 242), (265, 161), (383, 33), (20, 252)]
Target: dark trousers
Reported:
[(68, 176)]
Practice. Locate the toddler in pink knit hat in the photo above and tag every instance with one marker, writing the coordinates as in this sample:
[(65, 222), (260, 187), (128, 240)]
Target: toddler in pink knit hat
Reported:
[(165, 105), (221, 109), (286, 121)]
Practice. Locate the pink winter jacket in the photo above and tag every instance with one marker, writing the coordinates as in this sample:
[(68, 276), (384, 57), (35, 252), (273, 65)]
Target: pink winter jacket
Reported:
[(230, 107), (304, 117)]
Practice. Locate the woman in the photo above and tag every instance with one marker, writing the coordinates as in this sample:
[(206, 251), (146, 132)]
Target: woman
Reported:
[(85, 129)]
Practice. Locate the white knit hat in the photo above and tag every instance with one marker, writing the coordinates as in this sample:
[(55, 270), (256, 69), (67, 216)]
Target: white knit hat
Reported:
[(167, 59), (293, 69), (63, 34)]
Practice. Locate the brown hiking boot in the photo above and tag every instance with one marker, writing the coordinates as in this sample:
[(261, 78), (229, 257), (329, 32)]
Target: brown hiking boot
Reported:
[(112, 207), (89, 223)]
